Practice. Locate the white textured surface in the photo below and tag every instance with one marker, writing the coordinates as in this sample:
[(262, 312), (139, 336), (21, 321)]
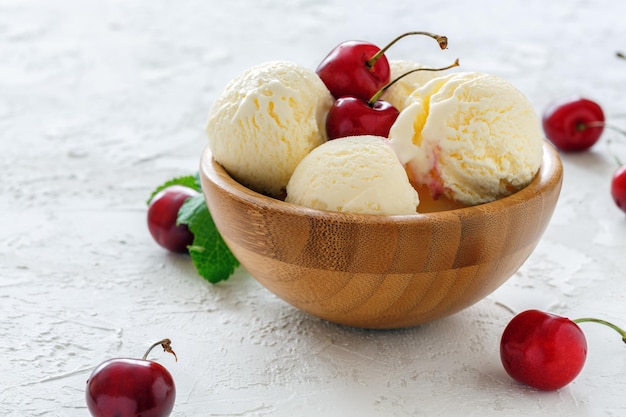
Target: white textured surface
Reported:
[(102, 100)]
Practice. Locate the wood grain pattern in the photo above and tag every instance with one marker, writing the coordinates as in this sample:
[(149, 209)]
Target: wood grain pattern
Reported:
[(377, 271)]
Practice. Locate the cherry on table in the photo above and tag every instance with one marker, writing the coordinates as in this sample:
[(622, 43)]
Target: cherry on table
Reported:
[(125, 387), (542, 350), (162, 218), (545, 351), (573, 124), (618, 187), (359, 69)]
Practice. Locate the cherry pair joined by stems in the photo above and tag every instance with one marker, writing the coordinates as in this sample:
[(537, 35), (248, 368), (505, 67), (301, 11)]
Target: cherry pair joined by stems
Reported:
[(352, 116), (545, 351), (132, 387), (359, 69)]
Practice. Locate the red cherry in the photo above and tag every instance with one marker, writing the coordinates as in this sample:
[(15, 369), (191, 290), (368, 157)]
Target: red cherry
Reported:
[(618, 187), (542, 350), (131, 387), (574, 124), (545, 351), (359, 69), (350, 116), (162, 215), (346, 73)]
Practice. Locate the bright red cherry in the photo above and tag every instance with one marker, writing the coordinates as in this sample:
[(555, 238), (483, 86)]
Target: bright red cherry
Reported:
[(618, 187), (162, 215), (346, 70), (542, 350), (350, 116), (545, 351), (574, 124), (359, 69), (131, 387)]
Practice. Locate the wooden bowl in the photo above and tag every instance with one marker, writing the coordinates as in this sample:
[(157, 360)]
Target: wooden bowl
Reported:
[(376, 271)]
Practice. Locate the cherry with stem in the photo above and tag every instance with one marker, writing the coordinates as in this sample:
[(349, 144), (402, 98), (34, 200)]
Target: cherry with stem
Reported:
[(546, 351), (359, 69), (567, 123), (127, 387)]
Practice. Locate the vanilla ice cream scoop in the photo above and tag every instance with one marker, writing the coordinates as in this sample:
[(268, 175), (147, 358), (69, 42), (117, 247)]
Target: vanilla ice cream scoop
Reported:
[(398, 92), (470, 137), (356, 174), (265, 121)]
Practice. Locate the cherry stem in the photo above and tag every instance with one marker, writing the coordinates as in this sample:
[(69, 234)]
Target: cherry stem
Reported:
[(606, 323), (167, 347), (583, 126), (441, 40), (380, 92), (620, 55)]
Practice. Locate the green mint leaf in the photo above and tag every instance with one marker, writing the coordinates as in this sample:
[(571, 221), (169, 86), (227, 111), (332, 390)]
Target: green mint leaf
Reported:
[(191, 181), (212, 258)]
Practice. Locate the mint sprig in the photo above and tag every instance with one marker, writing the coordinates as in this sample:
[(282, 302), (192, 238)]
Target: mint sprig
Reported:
[(211, 256), (213, 259)]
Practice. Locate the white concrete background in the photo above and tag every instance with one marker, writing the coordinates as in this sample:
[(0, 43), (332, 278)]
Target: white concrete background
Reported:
[(100, 101)]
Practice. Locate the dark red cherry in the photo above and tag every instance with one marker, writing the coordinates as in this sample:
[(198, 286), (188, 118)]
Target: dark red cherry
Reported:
[(351, 116), (345, 70), (162, 217), (131, 388)]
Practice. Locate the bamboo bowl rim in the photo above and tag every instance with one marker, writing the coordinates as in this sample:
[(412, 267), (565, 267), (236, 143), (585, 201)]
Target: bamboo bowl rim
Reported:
[(548, 176)]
